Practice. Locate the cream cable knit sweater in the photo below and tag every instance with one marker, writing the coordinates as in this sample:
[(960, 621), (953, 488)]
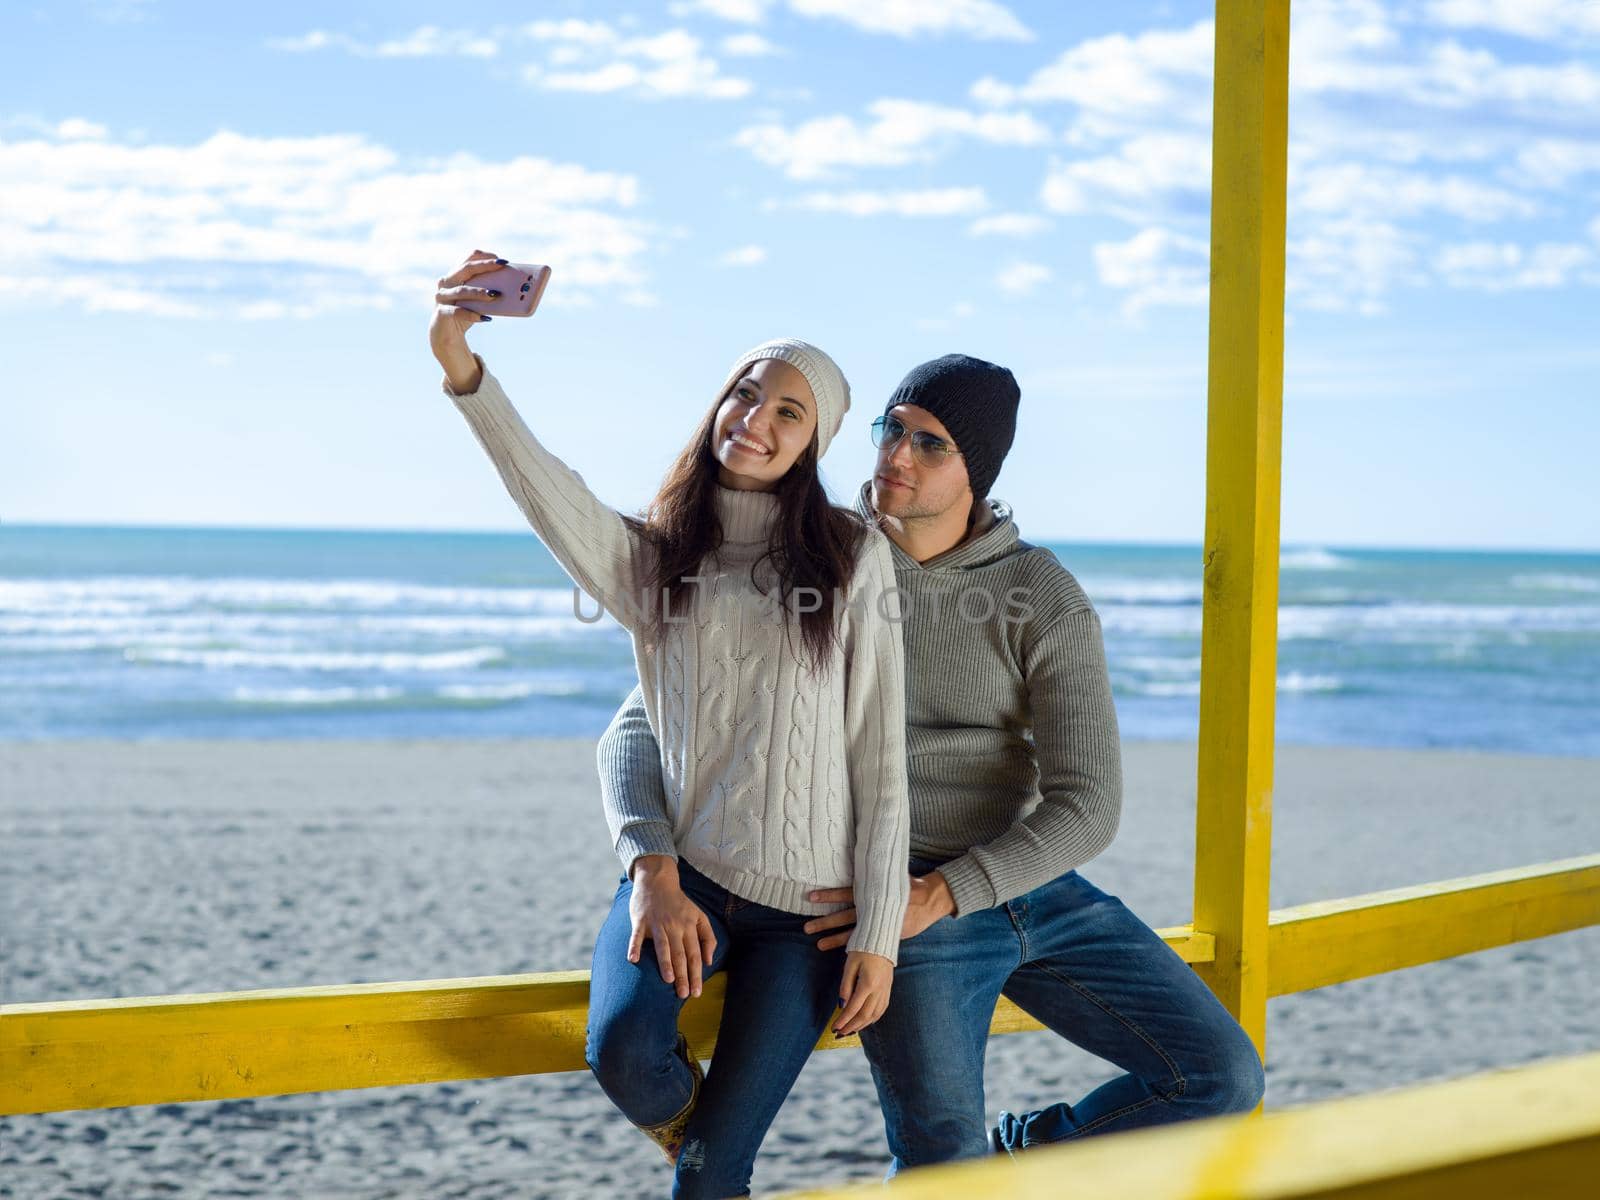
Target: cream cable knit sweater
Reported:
[(778, 780)]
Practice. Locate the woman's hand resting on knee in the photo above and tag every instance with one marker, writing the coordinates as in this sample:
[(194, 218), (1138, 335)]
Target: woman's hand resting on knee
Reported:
[(864, 991), (666, 917)]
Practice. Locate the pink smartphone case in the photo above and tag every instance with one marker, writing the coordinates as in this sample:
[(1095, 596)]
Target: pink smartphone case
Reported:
[(520, 285)]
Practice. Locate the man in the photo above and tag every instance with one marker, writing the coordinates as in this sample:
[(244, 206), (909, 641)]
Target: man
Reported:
[(1016, 780)]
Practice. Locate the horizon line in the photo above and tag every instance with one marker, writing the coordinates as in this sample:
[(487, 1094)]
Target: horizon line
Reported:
[(1150, 543)]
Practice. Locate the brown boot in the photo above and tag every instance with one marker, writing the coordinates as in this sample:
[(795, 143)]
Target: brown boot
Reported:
[(669, 1134)]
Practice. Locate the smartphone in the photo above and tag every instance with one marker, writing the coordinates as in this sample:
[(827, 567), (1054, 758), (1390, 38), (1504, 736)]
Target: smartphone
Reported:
[(520, 285)]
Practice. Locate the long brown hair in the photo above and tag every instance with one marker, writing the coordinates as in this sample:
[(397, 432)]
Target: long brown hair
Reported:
[(813, 543)]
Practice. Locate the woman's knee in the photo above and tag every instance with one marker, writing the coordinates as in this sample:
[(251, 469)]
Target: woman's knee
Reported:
[(617, 1052)]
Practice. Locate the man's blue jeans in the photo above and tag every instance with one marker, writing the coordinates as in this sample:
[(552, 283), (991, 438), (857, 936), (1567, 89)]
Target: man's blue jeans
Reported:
[(1082, 964), (780, 995)]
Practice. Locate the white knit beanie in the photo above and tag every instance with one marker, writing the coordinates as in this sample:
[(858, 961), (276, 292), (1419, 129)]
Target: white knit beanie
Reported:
[(828, 385)]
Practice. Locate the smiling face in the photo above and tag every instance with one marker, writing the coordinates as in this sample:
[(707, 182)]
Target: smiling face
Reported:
[(904, 488), (763, 425)]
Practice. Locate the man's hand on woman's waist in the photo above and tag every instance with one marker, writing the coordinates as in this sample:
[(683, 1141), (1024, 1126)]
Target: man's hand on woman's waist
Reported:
[(930, 900)]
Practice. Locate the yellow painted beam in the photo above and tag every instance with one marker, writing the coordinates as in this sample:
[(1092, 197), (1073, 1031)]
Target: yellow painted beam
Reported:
[(167, 1049), (1529, 1133), (1239, 627), (1313, 945)]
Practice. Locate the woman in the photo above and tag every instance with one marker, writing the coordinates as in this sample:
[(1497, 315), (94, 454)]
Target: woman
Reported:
[(773, 677)]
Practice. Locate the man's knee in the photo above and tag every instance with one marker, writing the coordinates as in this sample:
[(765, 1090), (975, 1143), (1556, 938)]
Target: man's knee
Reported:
[(1231, 1082)]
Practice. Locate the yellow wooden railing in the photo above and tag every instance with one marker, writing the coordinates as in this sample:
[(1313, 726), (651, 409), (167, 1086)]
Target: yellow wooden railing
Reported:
[(160, 1049), (1530, 1133), (164, 1049)]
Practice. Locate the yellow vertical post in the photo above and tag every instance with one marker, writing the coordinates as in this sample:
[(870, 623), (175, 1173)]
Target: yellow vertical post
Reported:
[(1238, 678)]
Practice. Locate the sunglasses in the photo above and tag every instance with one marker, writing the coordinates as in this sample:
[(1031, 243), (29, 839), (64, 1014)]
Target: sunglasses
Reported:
[(928, 449)]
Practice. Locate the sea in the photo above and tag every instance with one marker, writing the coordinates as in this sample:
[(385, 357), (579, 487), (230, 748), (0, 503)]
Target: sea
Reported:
[(142, 633)]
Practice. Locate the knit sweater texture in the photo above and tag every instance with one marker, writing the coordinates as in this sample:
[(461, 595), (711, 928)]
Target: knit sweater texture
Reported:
[(1014, 758), (770, 778)]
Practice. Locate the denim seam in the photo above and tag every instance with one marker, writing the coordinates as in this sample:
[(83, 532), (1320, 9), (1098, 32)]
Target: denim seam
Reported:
[(1177, 1074), (1022, 933)]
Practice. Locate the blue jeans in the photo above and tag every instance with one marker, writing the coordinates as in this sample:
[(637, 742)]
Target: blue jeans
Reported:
[(780, 994), (1088, 969)]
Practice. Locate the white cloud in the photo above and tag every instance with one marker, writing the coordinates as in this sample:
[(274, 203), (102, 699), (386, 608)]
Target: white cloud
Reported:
[(744, 256), (958, 314), (254, 225), (748, 12), (1553, 162), (982, 19), (1542, 20), (1350, 263), (1504, 266), (933, 202), (1023, 278), (748, 45), (1156, 266), (663, 65), (579, 56), (586, 33), (1146, 174), (1121, 78), (899, 132), (1020, 225), (1345, 188), (428, 41)]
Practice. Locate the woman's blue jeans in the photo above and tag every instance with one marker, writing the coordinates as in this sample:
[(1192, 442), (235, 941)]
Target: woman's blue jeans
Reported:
[(781, 992), (1088, 969)]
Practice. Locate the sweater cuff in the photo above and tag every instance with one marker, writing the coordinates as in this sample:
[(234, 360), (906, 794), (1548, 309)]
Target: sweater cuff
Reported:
[(444, 380), (644, 837), (878, 926), (970, 886)]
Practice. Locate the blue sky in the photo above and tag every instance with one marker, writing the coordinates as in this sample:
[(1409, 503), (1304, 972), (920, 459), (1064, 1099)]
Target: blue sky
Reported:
[(220, 226)]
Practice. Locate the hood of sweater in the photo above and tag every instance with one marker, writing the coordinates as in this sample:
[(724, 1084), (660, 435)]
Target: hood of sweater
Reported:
[(993, 538), (746, 516)]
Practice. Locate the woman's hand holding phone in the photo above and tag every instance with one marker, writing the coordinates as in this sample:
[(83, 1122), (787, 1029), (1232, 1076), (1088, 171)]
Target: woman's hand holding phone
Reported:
[(482, 285)]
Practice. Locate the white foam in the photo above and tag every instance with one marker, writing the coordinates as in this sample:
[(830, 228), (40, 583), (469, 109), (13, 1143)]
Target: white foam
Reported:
[(312, 697), (1555, 582), (479, 692), (114, 594), (1146, 662), (1122, 590), (1295, 681), (446, 660), (1312, 558)]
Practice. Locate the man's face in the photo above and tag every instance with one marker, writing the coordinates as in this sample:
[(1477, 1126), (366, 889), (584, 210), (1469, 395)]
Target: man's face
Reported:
[(905, 488)]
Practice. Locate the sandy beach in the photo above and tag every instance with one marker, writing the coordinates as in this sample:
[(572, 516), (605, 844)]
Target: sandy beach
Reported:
[(159, 867)]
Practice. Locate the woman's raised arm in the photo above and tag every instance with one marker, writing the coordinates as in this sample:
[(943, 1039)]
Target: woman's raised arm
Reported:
[(593, 544)]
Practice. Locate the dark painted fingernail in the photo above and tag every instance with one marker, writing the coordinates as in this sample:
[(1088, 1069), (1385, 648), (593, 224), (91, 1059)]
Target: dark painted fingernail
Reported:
[(488, 318), (494, 293), (503, 262)]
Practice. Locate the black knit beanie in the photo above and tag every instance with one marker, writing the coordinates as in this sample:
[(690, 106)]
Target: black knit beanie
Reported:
[(976, 401)]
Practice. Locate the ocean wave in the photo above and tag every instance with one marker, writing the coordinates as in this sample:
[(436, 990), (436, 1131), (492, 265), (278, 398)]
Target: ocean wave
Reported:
[(1389, 621), (494, 692), (257, 631), (1312, 558), (1555, 582), (1152, 662), (1142, 591), (444, 660), (309, 697), (1294, 681), (111, 595)]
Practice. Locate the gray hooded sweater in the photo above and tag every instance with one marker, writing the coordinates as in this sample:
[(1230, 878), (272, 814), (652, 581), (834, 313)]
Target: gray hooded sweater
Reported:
[(1013, 754)]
